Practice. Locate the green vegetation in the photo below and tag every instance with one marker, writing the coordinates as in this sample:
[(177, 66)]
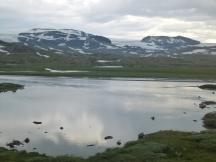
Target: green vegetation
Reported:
[(6, 87), (209, 120), (183, 67), (164, 146), (111, 72), (23, 156)]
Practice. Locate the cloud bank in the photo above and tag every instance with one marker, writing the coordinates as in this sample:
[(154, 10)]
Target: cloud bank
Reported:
[(124, 19)]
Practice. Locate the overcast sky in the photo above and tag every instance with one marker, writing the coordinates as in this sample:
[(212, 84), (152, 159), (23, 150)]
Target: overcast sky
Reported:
[(130, 19)]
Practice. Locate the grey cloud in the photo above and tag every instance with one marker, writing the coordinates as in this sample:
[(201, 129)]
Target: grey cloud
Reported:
[(115, 18), (193, 9)]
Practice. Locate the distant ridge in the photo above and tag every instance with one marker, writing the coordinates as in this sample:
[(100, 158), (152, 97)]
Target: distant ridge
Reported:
[(71, 41), (169, 42)]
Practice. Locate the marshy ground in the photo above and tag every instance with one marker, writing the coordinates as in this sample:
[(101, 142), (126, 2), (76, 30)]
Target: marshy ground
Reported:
[(164, 146)]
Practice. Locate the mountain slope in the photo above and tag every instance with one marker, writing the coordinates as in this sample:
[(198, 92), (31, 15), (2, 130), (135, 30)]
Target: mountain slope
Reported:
[(62, 40), (169, 42), (14, 48), (70, 41)]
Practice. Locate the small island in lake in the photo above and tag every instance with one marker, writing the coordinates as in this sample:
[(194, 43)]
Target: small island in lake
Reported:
[(10, 87), (208, 87)]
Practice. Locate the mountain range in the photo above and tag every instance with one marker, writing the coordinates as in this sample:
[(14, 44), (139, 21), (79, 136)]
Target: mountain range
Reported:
[(69, 41)]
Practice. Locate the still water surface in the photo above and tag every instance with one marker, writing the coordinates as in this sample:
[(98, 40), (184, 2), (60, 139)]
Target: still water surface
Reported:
[(90, 109)]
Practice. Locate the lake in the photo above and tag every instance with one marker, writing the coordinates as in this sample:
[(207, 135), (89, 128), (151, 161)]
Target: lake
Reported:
[(90, 109)]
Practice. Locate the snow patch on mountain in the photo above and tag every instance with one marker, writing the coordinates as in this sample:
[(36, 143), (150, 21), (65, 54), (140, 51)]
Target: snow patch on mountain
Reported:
[(148, 55), (59, 53), (41, 55), (196, 51), (206, 45), (65, 71), (41, 48), (2, 50), (136, 43), (108, 61), (79, 50), (115, 67), (61, 44)]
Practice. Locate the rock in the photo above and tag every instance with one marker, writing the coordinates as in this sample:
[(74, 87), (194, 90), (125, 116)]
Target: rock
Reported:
[(10, 145), (204, 104), (152, 118), (208, 87), (209, 102), (118, 143), (209, 120), (141, 136), (37, 122), (108, 137), (14, 143), (27, 140)]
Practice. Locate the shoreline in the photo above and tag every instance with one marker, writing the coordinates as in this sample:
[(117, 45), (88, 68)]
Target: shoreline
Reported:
[(167, 145), (116, 78)]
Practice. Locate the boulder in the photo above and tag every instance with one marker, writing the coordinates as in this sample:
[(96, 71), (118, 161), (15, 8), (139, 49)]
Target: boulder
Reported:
[(108, 137), (141, 136), (209, 120)]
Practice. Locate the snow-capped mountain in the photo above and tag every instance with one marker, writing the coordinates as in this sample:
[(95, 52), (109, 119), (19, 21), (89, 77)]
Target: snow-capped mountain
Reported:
[(65, 37), (64, 40), (69, 41), (169, 42)]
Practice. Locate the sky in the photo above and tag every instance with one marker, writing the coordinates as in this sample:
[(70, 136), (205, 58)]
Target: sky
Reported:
[(121, 19)]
